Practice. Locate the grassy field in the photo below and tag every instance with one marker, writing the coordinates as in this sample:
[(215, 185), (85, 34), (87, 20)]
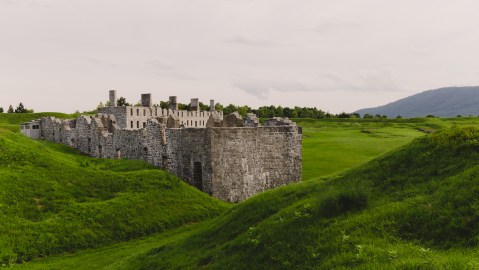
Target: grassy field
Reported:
[(413, 207)]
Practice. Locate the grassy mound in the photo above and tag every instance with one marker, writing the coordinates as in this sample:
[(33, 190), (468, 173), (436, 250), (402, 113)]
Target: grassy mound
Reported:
[(11, 121), (416, 207), (55, 200)]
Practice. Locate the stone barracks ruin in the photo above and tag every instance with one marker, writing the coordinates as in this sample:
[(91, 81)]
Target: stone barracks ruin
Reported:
[(224, 156)]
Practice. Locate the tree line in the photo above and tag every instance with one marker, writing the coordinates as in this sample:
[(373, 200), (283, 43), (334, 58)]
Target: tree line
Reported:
[(262, 112), (20, 109)]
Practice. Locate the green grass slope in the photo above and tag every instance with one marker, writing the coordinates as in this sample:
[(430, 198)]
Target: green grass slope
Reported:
[(414, 208), (354, 220), (55, 200)]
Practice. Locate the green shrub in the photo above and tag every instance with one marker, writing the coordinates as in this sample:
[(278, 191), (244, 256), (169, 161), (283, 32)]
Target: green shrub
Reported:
[(343, 201)]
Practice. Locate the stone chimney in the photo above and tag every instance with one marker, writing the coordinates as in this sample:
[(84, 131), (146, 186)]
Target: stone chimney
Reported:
[(212, 105), (195, 104), (112, 98), (146, 100), (173, 104)]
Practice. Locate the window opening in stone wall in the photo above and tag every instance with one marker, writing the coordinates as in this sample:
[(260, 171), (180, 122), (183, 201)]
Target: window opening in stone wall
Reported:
[(181, 114), (118, 154), (196, 123), (137, 124), (144, 125), (164, 163), (100, 151), (131, 124), (131, 112), (138, 112), (198, 176)]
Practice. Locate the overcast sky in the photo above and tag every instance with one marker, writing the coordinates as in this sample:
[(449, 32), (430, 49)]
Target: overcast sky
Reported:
[(337, 55)]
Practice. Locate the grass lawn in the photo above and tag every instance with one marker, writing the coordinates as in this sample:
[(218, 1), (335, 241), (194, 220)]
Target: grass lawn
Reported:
[(115, 256)]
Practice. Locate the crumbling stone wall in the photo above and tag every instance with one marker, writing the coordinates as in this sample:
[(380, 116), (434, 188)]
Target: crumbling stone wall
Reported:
[(230, 163), (250, 160), (136, 117), (184, 148)]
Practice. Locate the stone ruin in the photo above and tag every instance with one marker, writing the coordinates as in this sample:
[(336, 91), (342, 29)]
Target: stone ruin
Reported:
[(225, 156)]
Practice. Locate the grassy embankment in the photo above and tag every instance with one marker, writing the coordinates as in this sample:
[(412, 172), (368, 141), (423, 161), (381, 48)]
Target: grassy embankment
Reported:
[(413, 208), (396, 210), (55, 200)]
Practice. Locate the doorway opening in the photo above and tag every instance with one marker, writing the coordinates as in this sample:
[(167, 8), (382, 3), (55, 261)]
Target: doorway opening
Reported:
[(164, 163), (198, 176)]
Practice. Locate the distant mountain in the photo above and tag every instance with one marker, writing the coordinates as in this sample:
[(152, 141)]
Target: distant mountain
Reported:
[(443, 102)]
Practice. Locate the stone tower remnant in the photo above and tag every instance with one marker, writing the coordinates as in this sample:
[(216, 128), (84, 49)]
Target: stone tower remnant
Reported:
[(195, 105), (146, 100), (173, 104), (112, 98), (212, 105)]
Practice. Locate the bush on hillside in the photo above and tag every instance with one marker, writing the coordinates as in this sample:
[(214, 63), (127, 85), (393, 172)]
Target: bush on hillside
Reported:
[(344, 201)]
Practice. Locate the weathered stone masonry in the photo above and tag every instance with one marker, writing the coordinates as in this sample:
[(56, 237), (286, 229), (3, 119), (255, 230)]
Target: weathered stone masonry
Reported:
[(229, 159)]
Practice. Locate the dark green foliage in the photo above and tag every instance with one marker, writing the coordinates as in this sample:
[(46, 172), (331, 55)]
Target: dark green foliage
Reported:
[(21, 109), (10, 109), (338, 203), (122, 102), (1, 109)]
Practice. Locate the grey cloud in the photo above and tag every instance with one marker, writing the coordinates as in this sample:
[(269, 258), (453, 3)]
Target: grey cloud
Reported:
[(251, 41), (159, 65), (96, 61), (330, 25), (365, 81), (161, 68), (261, 88)]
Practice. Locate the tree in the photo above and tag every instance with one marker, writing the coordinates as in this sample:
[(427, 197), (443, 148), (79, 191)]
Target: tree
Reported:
[(1, 110), (204, 107), (121, 102), (164, 104), (10, 109), (229, 109), (218, 107), (20, 108)]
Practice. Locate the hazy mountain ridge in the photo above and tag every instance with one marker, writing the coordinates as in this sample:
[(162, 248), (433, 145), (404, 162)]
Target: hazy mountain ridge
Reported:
[(443, 102)]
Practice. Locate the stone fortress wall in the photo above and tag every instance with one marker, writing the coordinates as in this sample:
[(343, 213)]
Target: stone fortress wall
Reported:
[(226, 157)]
